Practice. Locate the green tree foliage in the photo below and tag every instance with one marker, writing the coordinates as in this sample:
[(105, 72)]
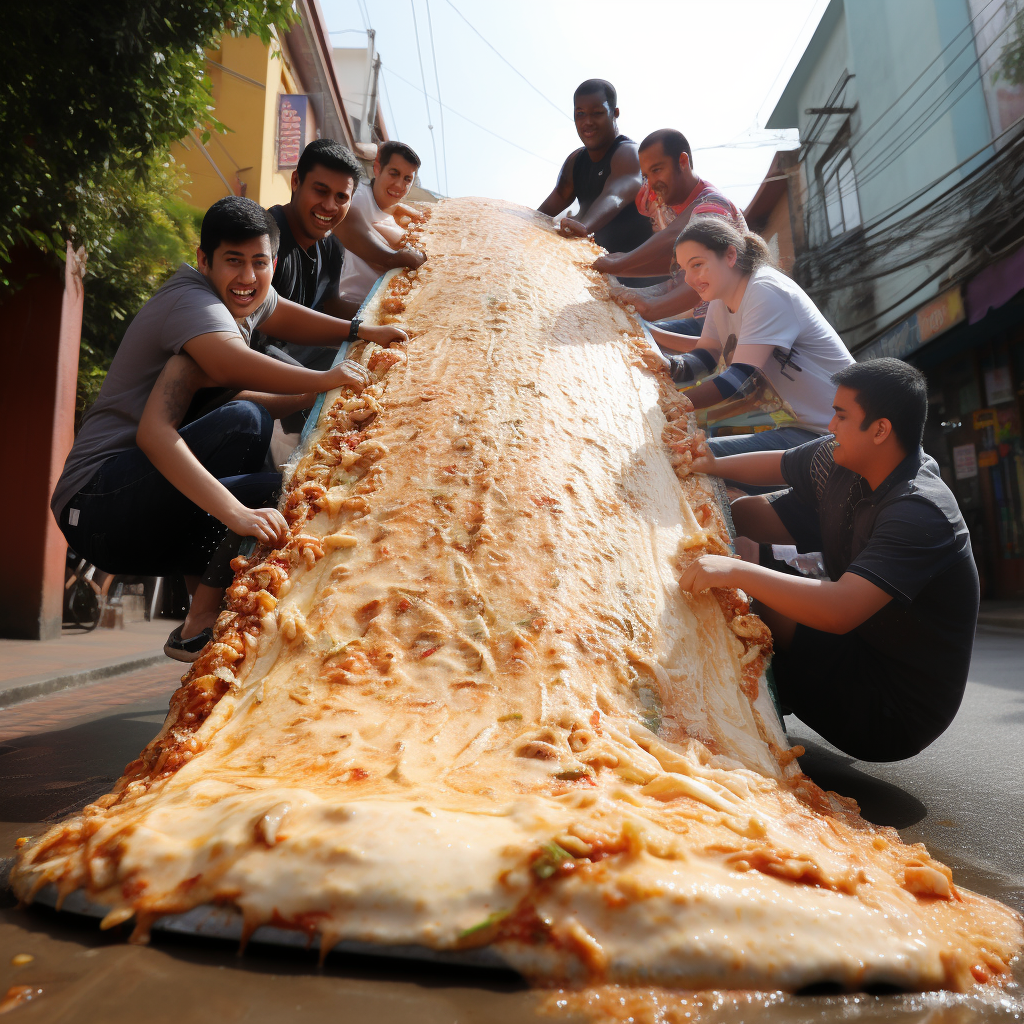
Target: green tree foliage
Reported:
[(93, 91), (153, 230)]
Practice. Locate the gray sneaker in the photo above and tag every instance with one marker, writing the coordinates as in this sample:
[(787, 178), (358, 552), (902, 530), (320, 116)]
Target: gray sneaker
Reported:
[(186, 650)]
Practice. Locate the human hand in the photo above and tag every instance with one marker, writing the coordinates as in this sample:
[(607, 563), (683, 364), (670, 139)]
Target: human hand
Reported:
[(267, 525), (572, 228), (384, 336), (710, 572), (412, 258), (655, 360), (606, 265), (348, 373), (705, 463)]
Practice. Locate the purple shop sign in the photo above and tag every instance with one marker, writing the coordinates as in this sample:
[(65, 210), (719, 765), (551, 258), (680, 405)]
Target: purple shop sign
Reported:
[(995, 285), (291, 130)]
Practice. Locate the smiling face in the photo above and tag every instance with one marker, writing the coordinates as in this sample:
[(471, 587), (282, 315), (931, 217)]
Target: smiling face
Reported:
[(319, 202), (711, 276), (665, 174), (391, 183), (240, 273), (595, 121)]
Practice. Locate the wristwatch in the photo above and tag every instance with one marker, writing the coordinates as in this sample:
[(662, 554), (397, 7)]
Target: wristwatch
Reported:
[(353, 329)]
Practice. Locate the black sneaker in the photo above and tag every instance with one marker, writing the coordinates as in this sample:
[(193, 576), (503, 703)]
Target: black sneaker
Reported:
[(186, 650)]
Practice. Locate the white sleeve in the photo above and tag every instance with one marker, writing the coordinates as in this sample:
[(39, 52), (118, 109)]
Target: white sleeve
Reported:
[(768, 320)]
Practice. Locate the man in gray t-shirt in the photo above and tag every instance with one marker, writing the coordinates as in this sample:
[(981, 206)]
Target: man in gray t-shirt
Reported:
[(159, 506)]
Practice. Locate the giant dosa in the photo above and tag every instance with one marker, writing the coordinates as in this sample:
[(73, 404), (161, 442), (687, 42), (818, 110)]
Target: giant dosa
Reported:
[(467, 705)]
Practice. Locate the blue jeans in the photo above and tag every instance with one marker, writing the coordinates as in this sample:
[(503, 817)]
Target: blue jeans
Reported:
[(690, 326), (780, 439), (131, 519)]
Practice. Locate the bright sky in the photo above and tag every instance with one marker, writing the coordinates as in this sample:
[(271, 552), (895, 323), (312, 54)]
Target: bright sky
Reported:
[(718, 90)]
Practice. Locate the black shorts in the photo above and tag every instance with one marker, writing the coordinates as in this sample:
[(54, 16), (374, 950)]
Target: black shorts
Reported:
[(851, 695)]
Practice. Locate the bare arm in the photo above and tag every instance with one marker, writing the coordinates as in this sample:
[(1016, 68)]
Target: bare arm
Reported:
[(302, 326), (653, 257), (834, 607), (228, 362), (278, 405), (675, 298), (763, 469), (158, 437), (359, 236), (563, 193), (624, 181)]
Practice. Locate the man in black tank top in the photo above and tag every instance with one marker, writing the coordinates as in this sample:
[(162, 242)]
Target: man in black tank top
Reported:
[(604, 176)]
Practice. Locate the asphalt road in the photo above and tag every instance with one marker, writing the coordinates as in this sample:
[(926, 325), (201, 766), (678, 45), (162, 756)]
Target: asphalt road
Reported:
[(963, 797)]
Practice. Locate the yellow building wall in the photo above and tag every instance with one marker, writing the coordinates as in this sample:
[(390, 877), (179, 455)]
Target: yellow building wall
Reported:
[(247, 77)]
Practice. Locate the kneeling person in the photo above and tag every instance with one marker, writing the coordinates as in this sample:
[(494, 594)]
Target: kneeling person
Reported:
[(127, 499), (875, 658)]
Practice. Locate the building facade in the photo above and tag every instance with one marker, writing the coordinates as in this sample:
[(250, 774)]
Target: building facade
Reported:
[(274, 99), (907, 204)]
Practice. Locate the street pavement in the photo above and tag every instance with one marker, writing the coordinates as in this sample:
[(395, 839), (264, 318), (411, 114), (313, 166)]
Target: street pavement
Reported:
[(962, 796)]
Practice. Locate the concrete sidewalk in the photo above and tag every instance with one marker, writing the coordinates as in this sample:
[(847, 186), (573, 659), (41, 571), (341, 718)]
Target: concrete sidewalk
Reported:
[(30, 668), (1002, 614)]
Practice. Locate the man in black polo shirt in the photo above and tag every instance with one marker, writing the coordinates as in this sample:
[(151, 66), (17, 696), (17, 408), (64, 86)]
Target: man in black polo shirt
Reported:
[(875, 658), (309, 262)]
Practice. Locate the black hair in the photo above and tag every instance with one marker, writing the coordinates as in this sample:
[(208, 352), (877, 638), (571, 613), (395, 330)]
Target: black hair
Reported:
[(330, 154), (889, 389), (592, 86), (390, 148), (673, 144), (236, 219), (717, 234)]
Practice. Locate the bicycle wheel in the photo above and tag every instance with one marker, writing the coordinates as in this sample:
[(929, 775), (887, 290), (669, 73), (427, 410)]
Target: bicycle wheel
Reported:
[(83, 605)]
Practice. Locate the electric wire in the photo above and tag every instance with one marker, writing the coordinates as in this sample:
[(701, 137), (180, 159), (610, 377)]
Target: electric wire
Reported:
[(868, 167), (475, 124), (426, 97), (433, 54), (508, 62)]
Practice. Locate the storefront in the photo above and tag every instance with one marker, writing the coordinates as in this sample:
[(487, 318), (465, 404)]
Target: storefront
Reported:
[(975, 376)]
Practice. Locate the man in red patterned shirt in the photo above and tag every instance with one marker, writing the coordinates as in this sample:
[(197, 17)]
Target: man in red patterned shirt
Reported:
[(670, 196)]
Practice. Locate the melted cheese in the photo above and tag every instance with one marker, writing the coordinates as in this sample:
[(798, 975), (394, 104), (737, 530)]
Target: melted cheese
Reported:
[(468, 703)]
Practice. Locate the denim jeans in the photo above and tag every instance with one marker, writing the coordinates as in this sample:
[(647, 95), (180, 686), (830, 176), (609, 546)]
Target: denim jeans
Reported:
[(131, 519), (690, 326), (780, 439)]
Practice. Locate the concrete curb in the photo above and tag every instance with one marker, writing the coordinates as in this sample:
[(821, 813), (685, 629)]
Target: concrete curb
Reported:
[(37, 686)]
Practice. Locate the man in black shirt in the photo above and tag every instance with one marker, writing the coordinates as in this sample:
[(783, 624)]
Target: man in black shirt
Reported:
[(604, 175), (309, 261), (875, 658)]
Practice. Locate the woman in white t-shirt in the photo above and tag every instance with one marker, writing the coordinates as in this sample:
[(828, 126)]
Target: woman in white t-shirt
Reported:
[(773, 348)]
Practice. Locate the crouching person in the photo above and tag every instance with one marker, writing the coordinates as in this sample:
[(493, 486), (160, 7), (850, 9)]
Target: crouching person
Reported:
[(875, 658), (139, 495)]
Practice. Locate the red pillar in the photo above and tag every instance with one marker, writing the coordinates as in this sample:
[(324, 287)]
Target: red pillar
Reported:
[(41, 324)]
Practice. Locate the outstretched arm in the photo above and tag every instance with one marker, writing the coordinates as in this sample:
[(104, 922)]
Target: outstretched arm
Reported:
[(158, 437), (624, 181), (650, 259), (359, 236), (563, 193), (833, 607), (302, 326), (228, 362)]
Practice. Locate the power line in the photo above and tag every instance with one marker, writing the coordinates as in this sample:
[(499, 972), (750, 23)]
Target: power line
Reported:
[(782, 66), (508, 62), (426, 98), (433, 54), (868, 169), (475, 124), (364, 14)]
